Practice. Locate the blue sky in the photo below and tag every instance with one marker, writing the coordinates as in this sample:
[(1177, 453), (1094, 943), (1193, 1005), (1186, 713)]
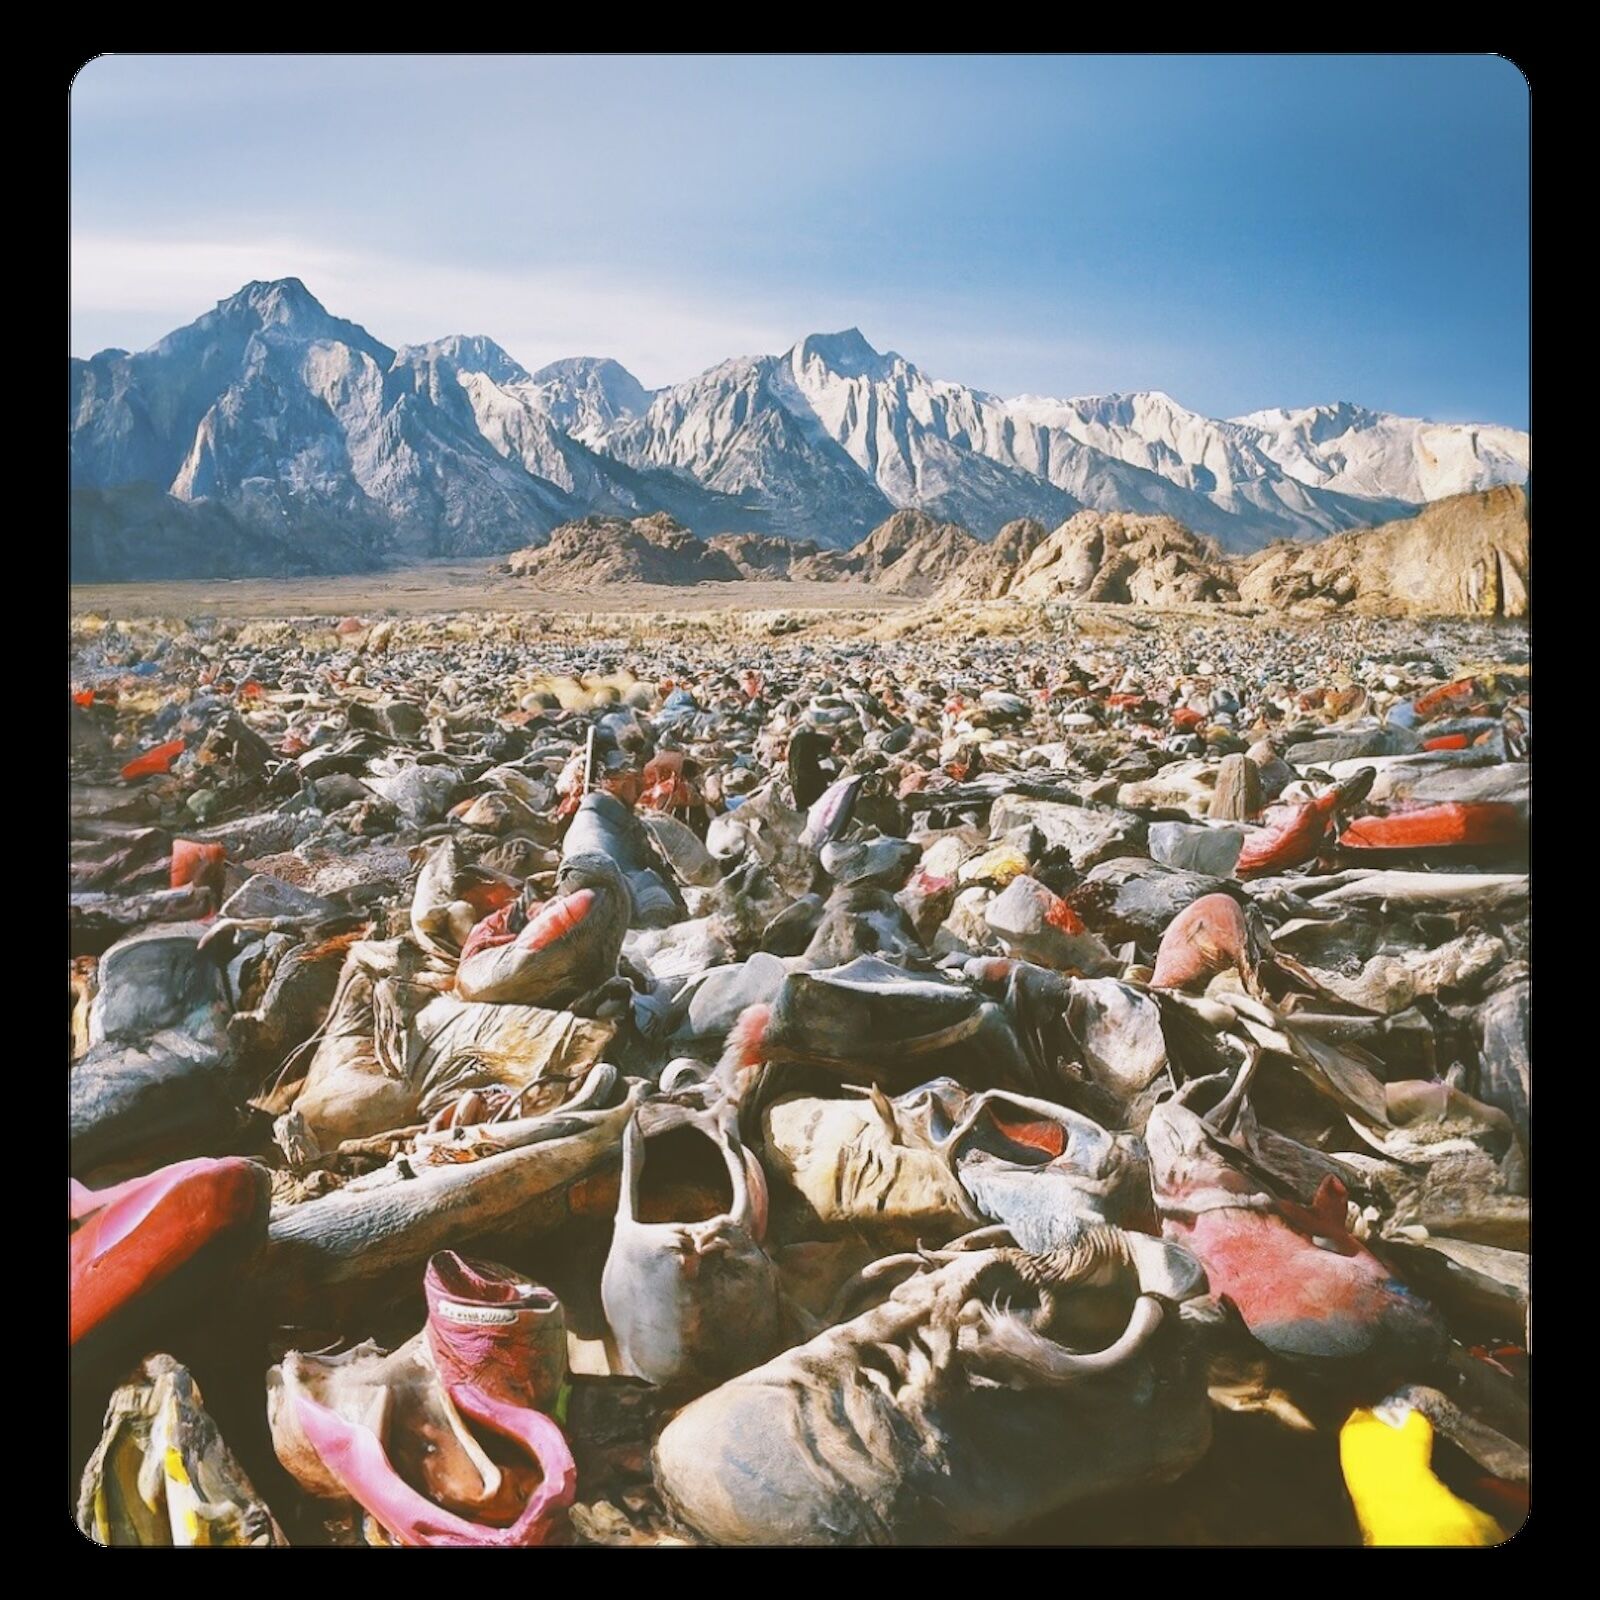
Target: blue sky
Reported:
[(1239, 231)]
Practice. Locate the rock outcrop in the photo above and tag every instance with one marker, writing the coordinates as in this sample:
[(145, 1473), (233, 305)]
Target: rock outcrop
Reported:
[(910, 553), (765, 556), (989, 575), (596, 550), (1465, 556), (1123, 560)]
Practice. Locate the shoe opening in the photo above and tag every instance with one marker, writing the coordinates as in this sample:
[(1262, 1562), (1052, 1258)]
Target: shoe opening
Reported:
[(685, 1178)]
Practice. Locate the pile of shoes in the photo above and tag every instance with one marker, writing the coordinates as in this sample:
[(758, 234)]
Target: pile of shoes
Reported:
[(525, 1091)]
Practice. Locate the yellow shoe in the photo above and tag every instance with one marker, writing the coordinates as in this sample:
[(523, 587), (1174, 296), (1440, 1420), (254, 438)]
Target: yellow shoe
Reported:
[(1386, 1456), (162, 1474)]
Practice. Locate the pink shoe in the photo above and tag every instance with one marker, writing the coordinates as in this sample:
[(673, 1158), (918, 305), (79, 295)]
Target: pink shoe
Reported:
[(372, 1427)]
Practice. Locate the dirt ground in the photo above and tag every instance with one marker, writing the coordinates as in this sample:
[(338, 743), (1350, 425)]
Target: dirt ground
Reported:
[(456, 586)]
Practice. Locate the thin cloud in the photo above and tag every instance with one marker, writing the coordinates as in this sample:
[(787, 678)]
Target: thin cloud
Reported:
[(663, 335), (129, 290)]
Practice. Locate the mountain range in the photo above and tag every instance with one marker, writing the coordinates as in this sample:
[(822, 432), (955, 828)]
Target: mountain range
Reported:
[(272, 437)]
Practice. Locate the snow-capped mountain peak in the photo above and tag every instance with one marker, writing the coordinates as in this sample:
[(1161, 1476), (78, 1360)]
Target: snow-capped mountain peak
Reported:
[(339, 451), (777, 427), (1353, 450), (275, 300), (281, 313), (287, 309), (1327, 421), (463, 352), (846, 354), (587, 396)]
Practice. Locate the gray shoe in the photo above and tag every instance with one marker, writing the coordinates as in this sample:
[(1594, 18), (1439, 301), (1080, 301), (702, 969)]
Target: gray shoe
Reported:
[(996, 1389)]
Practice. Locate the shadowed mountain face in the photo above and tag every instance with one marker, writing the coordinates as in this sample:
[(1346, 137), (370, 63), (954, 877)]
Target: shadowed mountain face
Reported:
[(271, 436), (295, 420)]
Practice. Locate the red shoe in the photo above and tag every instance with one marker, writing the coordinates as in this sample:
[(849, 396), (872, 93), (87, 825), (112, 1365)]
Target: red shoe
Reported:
[(666, 783), (1486, 824), (1291, 836), (1295, 834), (563, 948), (153, 763), (1450, 697), (1205, 938), (151, 1233), (1302, 1283), (193, 862)]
